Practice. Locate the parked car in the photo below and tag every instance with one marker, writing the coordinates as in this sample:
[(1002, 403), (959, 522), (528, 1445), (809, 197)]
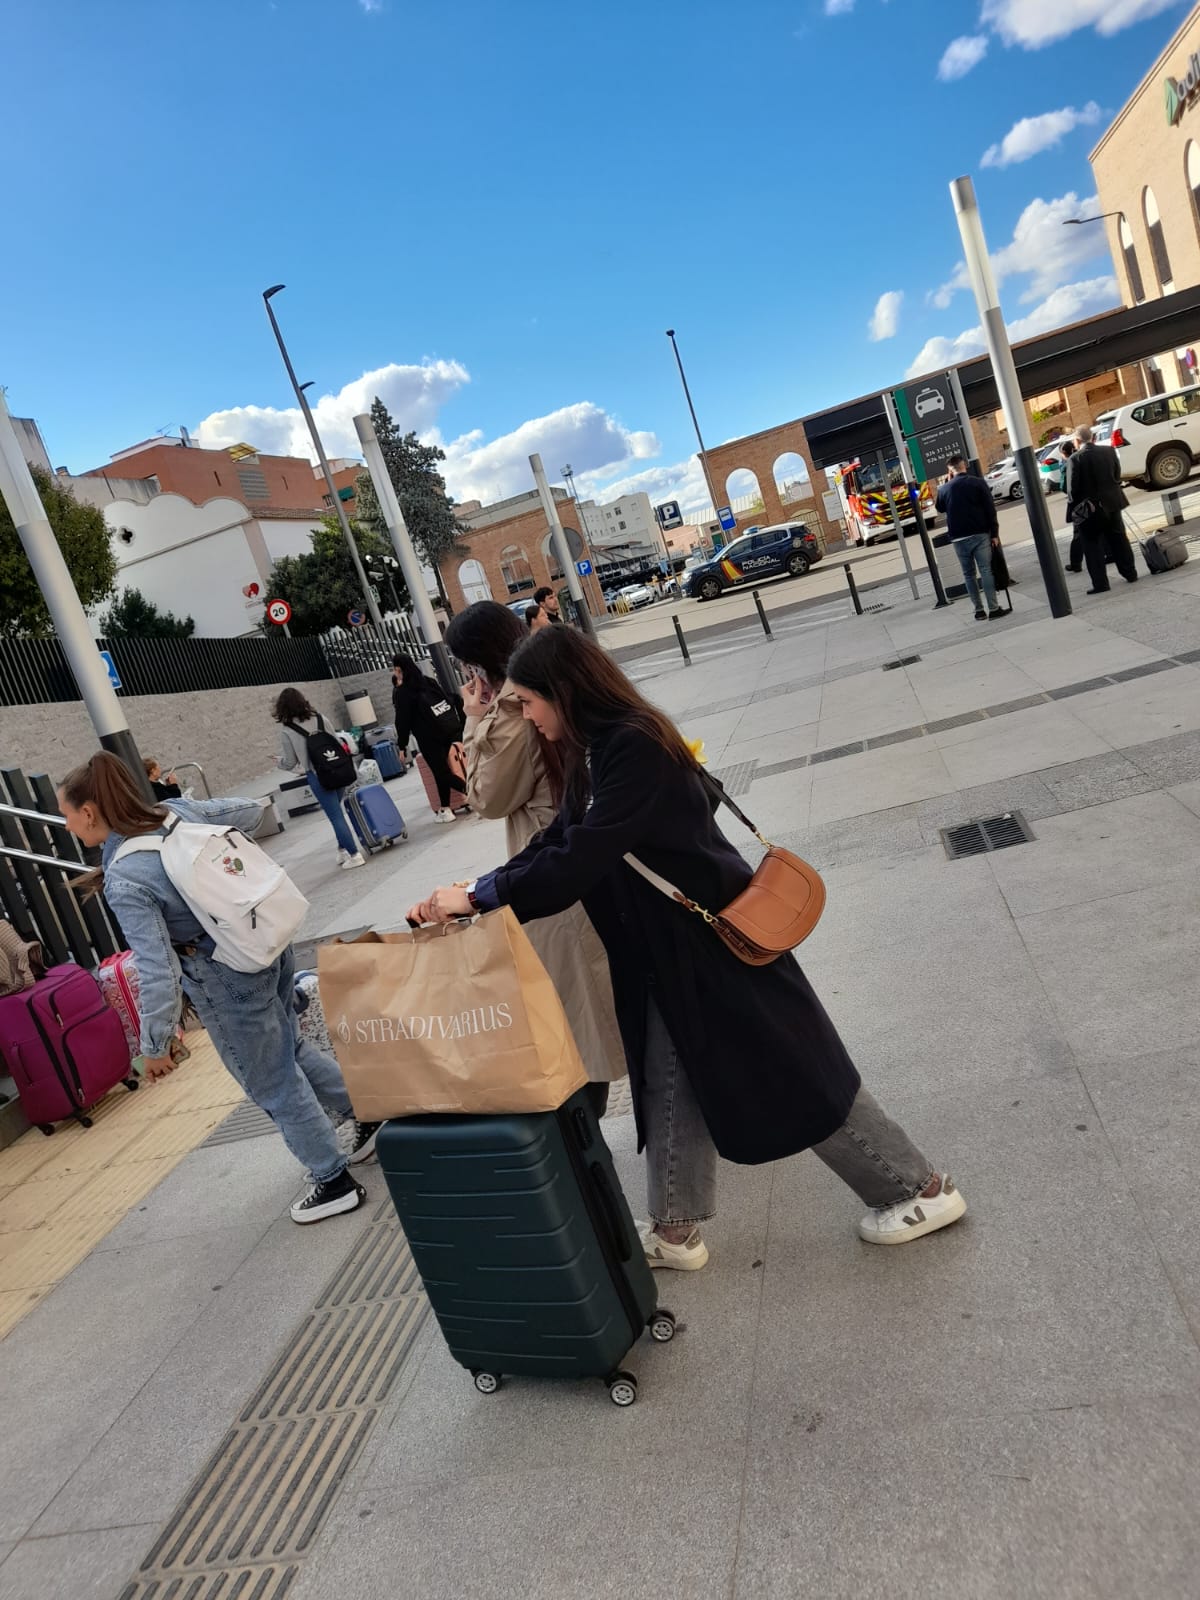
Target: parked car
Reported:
[(787, 547), (1004, 482), (1053, 463), (1158, 439), (1102, 428), (636, 595)]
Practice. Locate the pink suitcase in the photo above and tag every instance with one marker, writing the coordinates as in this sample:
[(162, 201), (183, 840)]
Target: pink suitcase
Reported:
[(64, 1046), (458, 800)]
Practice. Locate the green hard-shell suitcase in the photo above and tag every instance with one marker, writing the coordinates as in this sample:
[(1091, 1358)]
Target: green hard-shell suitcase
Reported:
[(524, 1240)]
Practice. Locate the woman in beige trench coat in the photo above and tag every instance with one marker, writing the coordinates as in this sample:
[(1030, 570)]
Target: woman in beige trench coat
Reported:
[(506, 777)]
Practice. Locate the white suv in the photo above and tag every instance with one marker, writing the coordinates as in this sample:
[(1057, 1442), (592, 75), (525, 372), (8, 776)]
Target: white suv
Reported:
[(1158, 439)]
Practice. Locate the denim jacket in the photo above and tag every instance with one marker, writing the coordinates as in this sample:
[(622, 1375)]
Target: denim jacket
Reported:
[(155, 916)]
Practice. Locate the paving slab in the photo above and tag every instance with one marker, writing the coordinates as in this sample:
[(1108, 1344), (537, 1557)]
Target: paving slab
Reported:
[(878, 780), (79, 1357), (1026, 741), (74, 1565)]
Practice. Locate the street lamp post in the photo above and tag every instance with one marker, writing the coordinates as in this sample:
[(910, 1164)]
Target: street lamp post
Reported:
[(695, 423), (1004, 370), (19, 493), (402, 544), (339, 509)]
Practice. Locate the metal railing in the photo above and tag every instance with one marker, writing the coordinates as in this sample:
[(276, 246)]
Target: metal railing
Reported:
[(37, 859)]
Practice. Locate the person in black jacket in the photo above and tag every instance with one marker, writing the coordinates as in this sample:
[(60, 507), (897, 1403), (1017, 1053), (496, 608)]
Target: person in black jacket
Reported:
[(1096, 502), (423, 711), (973, 526), (724, 1058)]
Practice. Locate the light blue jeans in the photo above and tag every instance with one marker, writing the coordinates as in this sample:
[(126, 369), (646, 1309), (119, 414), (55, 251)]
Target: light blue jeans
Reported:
[(977, 552), (330, 802), (252, 1021)]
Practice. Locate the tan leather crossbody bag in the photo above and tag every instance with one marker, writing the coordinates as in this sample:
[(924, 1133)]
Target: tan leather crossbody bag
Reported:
[(776, 911)]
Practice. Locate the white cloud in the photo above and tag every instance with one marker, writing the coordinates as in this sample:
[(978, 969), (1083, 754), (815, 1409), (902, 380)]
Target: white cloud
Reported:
[(1041, 245), (1031, 135), (476, 468), (1034, 23), (960, 55), (838, 8), (682, 481), (414, 395), (370, 6), (582, 434), (885, 318), (1070, 302)]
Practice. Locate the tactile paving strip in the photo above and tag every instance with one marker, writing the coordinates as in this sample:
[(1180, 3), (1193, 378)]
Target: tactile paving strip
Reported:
[(256, 1507), (246, 1121)]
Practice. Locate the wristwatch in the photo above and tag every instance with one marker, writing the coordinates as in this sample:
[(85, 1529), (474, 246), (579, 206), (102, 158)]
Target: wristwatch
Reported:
[(470, 892)]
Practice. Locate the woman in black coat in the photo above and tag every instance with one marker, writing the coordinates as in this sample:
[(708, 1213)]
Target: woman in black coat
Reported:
[(423, 711), (724, 1058)]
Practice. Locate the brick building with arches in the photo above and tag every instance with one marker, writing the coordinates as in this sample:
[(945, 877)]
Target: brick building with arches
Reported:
[(507, 554)]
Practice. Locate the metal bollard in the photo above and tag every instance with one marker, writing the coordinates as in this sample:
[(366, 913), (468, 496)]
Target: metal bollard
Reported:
[(853, 588), (762, 616), (682, 641)]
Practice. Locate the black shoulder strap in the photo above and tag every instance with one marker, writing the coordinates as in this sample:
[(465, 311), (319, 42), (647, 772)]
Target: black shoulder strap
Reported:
[(715, 786)]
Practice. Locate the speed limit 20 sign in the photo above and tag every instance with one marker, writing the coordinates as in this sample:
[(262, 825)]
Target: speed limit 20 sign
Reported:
[(279, 611)]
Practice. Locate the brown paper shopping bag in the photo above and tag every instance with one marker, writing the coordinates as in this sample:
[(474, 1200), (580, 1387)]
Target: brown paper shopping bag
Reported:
[(461, 1017)]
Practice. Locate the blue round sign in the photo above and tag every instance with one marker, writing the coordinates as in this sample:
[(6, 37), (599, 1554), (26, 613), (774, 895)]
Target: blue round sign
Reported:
[(356, 618)]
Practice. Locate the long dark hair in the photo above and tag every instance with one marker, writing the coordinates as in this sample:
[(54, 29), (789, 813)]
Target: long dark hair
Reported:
[(292, 707), (107, 783), (485, 635), (590, 693), (411, 675)]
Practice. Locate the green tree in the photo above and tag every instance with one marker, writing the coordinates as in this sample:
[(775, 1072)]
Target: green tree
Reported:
[(83, 538), (321, 586), (420, 489), (132, 616)]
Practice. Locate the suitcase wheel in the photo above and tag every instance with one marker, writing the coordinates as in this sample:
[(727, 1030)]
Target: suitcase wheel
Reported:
[(662, 1326), (404, 835), (132, 1082), (487, 1382), (46, 1127), (622, 1388)]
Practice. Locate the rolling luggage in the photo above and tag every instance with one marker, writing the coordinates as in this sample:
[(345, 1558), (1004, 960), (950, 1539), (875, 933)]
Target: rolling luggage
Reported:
[(1163, 551), (374, 817), (64, 1046), (391, 762), (270, 823), (297, 797), (458, 800), (524, 1241)]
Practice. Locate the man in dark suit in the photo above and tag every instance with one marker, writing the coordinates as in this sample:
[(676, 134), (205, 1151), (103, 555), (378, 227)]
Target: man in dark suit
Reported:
[(1097, 500)]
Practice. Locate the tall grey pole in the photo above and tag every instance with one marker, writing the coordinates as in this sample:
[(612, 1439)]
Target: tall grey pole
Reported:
[(887, 485), (906, 466), (1004, 370), (385, 493), (338, 507), (695, 423), (561, 549), (20, 495)]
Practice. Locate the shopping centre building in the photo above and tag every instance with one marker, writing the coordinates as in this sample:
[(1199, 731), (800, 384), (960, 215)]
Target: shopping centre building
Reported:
[(1147, 171)]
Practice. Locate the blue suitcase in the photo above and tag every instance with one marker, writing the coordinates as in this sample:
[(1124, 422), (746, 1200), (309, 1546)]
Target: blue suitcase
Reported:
[(388, 757), (524, 1241), (374, 817)]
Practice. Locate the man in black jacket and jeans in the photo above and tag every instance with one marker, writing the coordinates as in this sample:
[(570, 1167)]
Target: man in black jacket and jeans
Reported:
[(1096, 500), (972, 524)]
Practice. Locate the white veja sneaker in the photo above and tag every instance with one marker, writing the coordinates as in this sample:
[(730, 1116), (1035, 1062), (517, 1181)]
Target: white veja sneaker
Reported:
[(342, 856), (689, 1256), (354, 861), (444, 816), (910, 1219)]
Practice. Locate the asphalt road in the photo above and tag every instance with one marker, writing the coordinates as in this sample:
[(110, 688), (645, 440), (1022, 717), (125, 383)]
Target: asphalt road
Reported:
[(822, 594)]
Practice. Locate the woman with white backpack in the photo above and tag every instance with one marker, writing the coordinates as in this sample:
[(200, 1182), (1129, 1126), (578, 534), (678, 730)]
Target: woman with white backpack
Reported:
[(207, 913)]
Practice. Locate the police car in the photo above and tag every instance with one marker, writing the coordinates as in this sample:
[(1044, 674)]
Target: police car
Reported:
[(787, 547)]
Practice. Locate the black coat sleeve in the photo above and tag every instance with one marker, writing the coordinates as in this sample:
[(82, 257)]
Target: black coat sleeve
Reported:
[(569, 859), (402, 714)]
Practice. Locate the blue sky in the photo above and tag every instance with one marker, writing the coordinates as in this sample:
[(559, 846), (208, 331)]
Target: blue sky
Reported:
[(493, 210)]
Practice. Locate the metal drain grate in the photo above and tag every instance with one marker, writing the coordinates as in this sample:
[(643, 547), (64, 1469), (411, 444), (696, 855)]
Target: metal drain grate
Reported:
[(272, 1582), (982, 834), (876, 608), (901, 661), (246, 1121), (737, 779)]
